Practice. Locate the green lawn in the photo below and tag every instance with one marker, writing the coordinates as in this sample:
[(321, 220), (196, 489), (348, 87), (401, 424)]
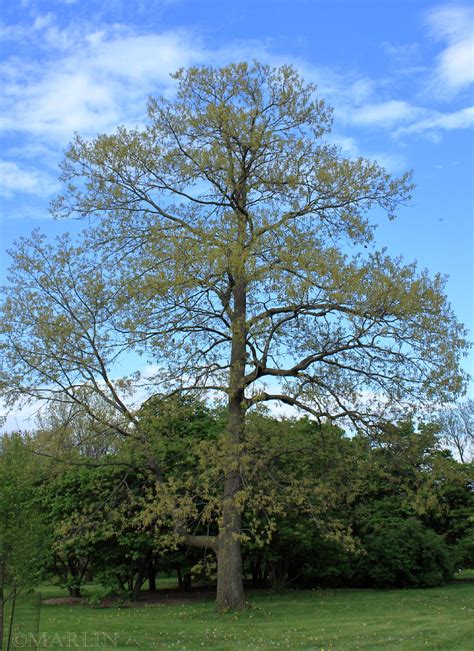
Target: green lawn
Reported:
[(438, 618)]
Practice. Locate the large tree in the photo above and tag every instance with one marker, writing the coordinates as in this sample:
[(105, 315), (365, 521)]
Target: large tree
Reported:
[(231, 247)]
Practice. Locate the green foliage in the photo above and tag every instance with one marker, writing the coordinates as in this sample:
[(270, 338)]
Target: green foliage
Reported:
[(404, 554), (355, 488), (320, 507), (24, 537), (93, 513), (405, 473), (299, 491), (463, 551)]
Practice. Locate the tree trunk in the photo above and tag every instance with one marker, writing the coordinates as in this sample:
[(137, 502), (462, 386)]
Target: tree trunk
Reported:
[(230, 588), (137, 587), (141, 576), (152, 576), (12, 615), (258, 573), (187, 583)]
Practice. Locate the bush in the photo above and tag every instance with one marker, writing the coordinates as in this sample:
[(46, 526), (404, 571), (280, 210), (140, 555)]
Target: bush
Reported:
[(404, 554), (463, 552)]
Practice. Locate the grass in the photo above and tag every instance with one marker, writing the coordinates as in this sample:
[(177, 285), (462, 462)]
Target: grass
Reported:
[(339, 620)]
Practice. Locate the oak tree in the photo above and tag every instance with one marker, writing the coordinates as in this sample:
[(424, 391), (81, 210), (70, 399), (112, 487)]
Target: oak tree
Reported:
[(231, 247)]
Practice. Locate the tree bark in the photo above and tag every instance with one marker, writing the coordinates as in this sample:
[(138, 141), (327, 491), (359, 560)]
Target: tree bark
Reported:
[(230, 588), (152, 576)]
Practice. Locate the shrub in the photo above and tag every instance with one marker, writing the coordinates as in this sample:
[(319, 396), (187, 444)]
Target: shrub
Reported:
[(463, 552), (404, 554)]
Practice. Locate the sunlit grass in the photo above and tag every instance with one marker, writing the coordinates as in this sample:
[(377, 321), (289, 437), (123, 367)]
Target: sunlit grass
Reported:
[(406, 620)]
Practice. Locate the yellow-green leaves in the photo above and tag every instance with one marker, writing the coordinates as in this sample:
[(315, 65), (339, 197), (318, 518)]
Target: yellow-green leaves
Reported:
[(228, 253)]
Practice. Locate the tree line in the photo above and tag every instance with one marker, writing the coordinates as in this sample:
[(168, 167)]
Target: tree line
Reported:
[(322, 508)]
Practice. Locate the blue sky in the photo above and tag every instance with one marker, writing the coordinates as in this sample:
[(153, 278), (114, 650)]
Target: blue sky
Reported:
[(399, 74)]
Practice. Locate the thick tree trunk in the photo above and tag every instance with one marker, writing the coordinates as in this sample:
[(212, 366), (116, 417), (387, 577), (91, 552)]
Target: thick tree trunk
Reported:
[(137, 587), (227, 544), (230, 589)]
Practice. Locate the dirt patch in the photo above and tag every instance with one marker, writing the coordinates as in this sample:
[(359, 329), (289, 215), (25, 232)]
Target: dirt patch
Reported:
[(171, 597), (162, 597), (62, 601)]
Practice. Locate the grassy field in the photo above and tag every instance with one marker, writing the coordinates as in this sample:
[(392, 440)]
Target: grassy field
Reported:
[(438, 618)]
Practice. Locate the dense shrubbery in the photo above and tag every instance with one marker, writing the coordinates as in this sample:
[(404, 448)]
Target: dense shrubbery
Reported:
[(404, 554)]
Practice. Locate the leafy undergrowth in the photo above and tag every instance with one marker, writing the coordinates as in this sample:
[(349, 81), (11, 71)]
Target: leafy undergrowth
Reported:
[(406, 620)]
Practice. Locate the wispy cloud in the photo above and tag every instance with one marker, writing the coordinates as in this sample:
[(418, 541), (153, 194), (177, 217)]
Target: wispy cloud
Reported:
[(89, 80), (403, 118), (436, 122), (385, 114), (18, 419), (454, 71), (14, 178), (401, 53)]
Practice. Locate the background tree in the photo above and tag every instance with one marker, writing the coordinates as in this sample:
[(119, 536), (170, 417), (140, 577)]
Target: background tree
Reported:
[(300, 498), (457, 427), (94, 517), (361, 494), (67, 431), (23, 535), (227, 246), (404, 554)]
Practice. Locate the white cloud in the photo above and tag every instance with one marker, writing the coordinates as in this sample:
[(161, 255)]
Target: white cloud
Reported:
[(347, 144), (18, 419), (88, 81), (403, 118), (393, 162), (42, 21), (454, 72), (15, 179), (385, 114), (91, 78), (148, 58), (401, 53), (436, 122)]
